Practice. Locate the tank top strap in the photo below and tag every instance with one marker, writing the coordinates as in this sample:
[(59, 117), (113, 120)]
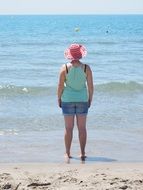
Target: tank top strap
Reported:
[(66, 68), (85, 66)]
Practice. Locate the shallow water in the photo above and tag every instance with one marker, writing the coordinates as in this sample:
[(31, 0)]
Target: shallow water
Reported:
[(31, 54)]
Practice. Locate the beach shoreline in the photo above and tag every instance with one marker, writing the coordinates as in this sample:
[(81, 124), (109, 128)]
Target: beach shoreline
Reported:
[(32, 124), (101, 175)]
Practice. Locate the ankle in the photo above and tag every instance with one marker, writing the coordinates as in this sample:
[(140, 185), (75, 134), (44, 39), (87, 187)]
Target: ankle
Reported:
[(68, 155)]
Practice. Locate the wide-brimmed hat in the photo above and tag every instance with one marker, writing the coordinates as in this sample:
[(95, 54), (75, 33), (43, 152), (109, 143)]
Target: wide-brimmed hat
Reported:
[(75, 52)]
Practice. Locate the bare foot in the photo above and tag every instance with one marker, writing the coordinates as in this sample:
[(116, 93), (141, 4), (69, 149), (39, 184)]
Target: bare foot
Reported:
[(68, 155), (83, 157)]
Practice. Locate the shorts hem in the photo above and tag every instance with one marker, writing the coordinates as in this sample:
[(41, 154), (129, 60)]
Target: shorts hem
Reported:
[(66, 114), (81, 113)]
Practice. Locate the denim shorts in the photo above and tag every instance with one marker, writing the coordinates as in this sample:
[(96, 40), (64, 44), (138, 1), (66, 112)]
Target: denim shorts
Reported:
[(74, 108)]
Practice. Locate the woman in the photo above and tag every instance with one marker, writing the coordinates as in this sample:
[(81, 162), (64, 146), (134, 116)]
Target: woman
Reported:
[(75, 91)]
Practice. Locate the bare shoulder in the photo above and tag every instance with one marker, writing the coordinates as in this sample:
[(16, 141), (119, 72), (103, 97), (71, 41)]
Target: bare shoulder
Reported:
[(63, 69), (69, 65), (88, 69)]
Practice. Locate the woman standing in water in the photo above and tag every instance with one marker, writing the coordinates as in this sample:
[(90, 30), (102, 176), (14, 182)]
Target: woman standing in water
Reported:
[(75, 91)]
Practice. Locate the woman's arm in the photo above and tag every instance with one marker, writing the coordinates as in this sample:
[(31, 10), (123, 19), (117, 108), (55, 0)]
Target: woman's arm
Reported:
[(61, 84), (90, 84)]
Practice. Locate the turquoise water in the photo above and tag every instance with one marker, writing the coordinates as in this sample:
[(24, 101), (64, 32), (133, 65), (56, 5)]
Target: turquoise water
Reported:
[(31, 54)]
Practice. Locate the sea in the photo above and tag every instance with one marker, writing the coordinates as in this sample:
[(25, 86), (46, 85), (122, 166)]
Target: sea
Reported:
[(31, 55)]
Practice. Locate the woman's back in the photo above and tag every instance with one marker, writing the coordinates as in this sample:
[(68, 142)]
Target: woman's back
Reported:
[(76, 77), (75, 84)]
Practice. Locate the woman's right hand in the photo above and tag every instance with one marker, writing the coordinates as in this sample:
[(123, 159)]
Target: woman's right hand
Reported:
[(59, 102)]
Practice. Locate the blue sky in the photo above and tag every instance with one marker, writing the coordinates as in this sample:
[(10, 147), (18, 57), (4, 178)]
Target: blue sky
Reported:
[(71, 6)]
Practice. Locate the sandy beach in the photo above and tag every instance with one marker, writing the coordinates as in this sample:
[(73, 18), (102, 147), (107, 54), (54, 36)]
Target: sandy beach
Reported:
[(101, 176)]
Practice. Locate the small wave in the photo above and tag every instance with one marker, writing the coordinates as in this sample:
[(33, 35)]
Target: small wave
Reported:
[(33, 44), (8, 132), (139, 41), (120, 87), (11, 90), (106, 43)]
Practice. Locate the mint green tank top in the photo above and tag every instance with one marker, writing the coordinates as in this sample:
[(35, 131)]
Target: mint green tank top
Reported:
[(75, 89)]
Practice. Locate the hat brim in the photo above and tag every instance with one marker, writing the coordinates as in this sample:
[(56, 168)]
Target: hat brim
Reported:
[(70, 56)]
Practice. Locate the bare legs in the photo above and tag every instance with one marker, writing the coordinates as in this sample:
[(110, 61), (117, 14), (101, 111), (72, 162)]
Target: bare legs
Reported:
[(81, 124), (69, 125)]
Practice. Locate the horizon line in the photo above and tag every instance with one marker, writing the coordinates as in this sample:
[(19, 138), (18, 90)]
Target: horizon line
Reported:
[(59, 14)]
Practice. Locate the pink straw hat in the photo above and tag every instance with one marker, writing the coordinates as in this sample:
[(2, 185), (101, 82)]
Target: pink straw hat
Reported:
[(75, 52)]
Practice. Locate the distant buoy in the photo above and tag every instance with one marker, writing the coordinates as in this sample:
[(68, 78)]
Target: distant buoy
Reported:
[(77, 29)]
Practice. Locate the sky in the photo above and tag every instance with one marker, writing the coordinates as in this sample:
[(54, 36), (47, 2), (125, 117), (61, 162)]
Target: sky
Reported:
[(71, 6)]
